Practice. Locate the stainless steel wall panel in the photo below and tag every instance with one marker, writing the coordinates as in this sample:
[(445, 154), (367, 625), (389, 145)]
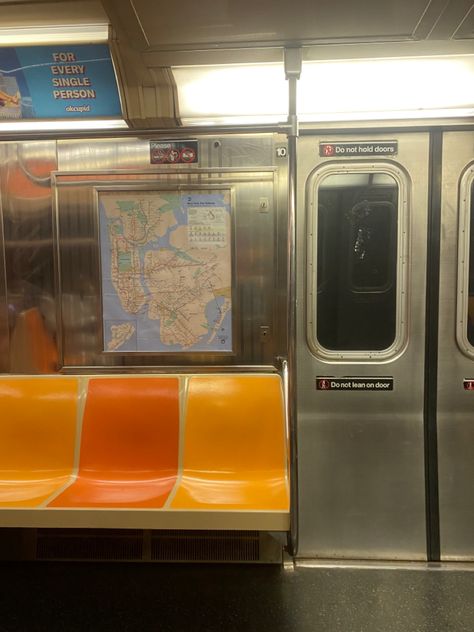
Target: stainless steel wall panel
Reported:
[(246, 164), (455, 405), (29, 257), (103, 154), (361, 454), (247, 150), (281, 241), (29, 331), (4, 330)]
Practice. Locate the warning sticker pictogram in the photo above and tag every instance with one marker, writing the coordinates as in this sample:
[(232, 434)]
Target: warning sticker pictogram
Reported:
[(188, 154), (173, 152)]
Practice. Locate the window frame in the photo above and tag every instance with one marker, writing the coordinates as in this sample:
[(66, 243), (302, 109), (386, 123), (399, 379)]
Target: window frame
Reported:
[(313, 183), (464, 237)]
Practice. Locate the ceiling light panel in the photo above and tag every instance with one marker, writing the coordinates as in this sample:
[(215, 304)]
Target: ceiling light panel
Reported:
[(386, 88), (344, 90), (232, 94)]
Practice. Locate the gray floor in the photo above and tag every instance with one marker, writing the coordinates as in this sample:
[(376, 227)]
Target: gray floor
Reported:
[(113, 597)]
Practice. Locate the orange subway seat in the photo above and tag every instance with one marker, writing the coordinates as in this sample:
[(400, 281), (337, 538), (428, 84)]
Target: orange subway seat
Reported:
[(37, 434), (129, 444), (235, 445)]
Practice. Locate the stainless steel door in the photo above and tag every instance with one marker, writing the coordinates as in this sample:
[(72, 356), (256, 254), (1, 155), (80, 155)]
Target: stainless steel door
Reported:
[(361, 454), (456, 352)]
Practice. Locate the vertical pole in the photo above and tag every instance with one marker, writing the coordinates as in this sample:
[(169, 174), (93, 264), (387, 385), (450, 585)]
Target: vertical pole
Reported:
[(292, 72)]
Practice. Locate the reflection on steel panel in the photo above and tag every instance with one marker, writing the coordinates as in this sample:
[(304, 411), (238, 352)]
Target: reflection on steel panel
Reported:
[(4, 334), (27, 225)]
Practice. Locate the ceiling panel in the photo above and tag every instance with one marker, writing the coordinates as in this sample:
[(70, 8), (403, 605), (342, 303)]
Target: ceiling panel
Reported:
[(453, 17), (466, 28), (208, 22)]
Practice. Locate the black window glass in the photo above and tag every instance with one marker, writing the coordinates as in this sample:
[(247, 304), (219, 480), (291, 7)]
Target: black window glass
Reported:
[(357, 261)]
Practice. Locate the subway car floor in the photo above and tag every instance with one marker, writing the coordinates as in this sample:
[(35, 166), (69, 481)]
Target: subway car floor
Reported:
[(99, 597)]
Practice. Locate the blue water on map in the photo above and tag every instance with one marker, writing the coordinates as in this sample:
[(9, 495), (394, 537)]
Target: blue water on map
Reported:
[(213, 316)]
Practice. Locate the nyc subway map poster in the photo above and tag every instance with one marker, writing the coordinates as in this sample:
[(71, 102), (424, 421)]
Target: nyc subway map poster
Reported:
[(166, 264)]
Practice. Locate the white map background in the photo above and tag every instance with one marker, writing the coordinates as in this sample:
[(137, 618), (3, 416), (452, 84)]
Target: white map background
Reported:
[(166, 271)]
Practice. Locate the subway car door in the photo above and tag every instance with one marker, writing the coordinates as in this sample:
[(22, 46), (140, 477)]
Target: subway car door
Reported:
[(362, 266), (456, 349)]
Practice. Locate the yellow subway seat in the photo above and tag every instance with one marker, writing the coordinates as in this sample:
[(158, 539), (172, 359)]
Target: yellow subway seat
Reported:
[(19, 492), (254, 493), (235, 445), (37, 437)]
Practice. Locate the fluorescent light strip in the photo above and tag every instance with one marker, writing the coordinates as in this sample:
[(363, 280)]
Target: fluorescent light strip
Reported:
[(64, 34), (347, 90), (386, 88), (253, 92), (62, 126)]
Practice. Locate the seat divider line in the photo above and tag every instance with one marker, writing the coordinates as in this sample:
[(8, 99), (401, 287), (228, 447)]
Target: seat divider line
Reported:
[(183, 403), (83, 385)]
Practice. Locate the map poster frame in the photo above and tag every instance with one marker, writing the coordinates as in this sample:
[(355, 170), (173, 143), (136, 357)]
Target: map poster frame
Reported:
[(166, 241)]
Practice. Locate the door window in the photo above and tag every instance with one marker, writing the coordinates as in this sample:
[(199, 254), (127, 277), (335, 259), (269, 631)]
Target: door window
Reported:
[(465, 320), (358, 235)]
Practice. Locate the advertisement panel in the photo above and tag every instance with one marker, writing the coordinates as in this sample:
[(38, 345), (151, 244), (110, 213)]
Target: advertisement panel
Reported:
[(57, 82)]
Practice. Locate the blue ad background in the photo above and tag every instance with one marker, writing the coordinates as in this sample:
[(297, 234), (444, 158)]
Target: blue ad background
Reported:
[(31, 66)]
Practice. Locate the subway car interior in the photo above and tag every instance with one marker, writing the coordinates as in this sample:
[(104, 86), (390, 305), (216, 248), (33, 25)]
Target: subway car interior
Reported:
[(237, 315)]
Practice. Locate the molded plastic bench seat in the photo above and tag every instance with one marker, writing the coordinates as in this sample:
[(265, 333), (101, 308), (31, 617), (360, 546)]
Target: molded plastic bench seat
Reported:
[(37, 434), (235, 445), (129, 444), (149, 452)]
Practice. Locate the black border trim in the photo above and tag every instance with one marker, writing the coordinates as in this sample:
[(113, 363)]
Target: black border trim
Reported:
[(431, 348)]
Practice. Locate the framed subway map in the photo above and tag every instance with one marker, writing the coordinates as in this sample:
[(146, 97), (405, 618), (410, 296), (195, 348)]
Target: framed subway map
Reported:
[(166, 270)]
